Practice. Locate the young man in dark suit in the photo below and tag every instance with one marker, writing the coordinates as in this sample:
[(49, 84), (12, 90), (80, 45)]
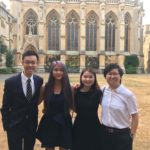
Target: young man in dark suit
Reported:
[(20, 104)]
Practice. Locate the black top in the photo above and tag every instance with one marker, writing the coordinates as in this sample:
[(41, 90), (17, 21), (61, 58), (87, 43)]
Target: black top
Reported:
[(55, 127), (87, 103), (86, 129)]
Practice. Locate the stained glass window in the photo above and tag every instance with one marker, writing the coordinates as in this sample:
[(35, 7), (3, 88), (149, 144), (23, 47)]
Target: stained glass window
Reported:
[(72, 32), (53, 31), (91, 32), (110, 28), (31, 23)]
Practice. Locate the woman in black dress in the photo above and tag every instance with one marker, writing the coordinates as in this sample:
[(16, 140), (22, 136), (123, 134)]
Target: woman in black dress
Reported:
[(86, 128), (55, 127)]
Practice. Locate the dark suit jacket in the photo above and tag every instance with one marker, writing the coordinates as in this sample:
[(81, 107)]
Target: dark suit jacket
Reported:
[(16, 109)]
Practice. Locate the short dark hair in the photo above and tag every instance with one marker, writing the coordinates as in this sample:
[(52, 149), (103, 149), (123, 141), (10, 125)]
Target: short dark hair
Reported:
[(112, 66), (30, 53)]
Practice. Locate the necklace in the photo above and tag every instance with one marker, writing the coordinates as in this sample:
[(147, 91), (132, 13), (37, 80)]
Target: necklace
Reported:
[(57, 91), (86, 89)]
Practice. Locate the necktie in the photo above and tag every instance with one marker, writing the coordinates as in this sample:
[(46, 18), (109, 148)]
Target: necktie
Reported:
[(29, 90)]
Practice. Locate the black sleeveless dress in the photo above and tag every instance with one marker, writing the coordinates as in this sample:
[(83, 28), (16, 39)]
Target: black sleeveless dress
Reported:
[(55, 127), (86, 128)]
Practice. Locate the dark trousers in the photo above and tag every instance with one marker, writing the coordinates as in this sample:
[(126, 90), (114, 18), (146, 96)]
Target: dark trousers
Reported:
[(116, 140), (19, 141)]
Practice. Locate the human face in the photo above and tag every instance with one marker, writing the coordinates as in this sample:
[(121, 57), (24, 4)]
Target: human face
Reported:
[(113, 78), (29, 64), (58, 72), (87, 79)]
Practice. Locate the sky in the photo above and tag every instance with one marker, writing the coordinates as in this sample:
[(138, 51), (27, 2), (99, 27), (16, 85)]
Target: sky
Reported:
[(146, 3)]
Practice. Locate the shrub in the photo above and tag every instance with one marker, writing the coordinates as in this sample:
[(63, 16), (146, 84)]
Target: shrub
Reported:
[(130, 70), (13, 70), (9, 59), (3, 47), (7, 70), (73, 63), (131, 63)]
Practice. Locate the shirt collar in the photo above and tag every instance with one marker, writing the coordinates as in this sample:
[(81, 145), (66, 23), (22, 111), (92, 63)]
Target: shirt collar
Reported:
[(118, 89), (25, 78)]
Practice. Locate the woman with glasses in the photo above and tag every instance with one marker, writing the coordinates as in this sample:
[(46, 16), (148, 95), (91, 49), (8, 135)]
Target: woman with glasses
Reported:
[(119, 112)]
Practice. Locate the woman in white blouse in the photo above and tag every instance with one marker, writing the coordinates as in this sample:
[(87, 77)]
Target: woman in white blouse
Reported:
[(119, 112)]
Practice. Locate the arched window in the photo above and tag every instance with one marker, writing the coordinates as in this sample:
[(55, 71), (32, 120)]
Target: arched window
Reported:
[(110, 32), (91, 32), (30, 47), (53, 31), (127, 33), (72, 32), (31, 23)]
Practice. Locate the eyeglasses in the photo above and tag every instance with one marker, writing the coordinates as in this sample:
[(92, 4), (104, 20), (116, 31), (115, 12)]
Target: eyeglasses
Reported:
[(112, 74), (30, 62)]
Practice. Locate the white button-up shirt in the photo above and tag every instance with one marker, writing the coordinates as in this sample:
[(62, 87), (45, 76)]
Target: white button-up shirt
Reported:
[(117, 107), (24, 83)]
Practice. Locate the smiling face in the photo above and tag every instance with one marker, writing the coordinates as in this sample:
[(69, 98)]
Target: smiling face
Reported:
[(29, 64), (87, 79), (58, 72), (113, 78)]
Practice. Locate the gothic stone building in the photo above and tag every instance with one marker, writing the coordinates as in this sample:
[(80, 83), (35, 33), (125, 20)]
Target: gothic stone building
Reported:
[(6, 35), (80, 33), (146, 48)]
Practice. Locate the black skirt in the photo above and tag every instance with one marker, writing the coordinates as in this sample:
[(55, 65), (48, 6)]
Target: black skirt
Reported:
[(51, 133)]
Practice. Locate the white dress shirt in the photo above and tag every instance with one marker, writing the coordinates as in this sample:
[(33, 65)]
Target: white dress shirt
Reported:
[(117, 107), (24, 83)]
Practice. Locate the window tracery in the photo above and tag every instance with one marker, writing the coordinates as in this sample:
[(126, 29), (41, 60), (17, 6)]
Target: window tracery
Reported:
[(91, 32)]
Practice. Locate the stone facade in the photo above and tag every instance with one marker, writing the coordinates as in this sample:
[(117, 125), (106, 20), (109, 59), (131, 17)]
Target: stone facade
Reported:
[(146, 48), (81, 33), (6, 34)]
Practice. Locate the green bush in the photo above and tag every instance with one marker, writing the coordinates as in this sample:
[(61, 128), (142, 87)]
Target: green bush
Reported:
[(7, 70), (73, 63), (9, 59), (130, 70), (3, 47), (131, 63), (13, 70)]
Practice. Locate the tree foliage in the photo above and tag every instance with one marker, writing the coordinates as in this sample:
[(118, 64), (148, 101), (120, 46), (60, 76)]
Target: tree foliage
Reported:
[(3, 47), (9, 59)]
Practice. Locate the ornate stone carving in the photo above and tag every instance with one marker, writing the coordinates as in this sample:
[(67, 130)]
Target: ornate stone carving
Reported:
[(63, 11), (31, 23), (41, 9), (83, 9), (122, 7), (103, 6)]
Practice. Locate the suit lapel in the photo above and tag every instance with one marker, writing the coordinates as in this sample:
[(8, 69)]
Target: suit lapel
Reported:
[(20, 88), (35, 83)]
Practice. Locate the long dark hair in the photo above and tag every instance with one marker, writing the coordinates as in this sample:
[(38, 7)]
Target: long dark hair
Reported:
[(66, 88), (95, 85)]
